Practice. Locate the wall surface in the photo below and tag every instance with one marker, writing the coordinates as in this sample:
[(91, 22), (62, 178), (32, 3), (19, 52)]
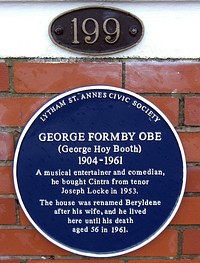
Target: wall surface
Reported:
[(170, 29), (164, 68)]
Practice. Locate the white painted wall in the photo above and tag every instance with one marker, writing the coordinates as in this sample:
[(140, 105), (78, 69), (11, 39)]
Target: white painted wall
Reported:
[(172, 29)]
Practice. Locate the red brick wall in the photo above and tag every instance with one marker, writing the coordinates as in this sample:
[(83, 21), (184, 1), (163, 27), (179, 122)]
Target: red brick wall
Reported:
[(173, 86)]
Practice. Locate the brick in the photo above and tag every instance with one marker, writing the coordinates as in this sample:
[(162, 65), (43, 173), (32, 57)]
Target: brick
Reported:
[(7, 211), (166, 244), (163, 77), (193, 179), (56, 78), (26, 242), (10, 260), (165, 261), (4, 79), (192, 116), (23, 219), (191, 242), (77, 261), (6, 180), (6, 146), (169, 106), (188, 212), (191, 145), (17, 111)]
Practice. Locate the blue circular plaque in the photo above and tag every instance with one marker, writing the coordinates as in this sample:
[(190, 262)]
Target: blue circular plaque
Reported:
[(99, 171)]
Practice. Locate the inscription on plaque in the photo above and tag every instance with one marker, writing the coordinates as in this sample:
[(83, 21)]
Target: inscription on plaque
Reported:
[(99, 171), (96, 30)]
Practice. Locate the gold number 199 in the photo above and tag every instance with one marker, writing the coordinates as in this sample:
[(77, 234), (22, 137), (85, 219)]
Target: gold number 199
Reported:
[(92, 37)]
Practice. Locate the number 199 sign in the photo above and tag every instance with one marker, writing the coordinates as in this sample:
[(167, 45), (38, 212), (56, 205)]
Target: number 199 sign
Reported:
[(99, 171), (96, 30)]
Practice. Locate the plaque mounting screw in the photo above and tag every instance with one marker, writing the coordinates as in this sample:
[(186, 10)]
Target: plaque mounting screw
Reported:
[(133, 30), (59, 31)]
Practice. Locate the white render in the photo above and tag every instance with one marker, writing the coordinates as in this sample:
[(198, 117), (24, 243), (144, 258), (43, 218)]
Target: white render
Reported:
[(171, 29)]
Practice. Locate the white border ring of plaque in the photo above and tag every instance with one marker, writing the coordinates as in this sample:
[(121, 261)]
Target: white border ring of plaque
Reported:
[(99, 171)]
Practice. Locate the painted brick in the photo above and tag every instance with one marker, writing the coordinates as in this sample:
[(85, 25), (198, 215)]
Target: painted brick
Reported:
[(191, 242), (26, 242), (6, 146), (188, 212), (17, 111), (163, 77), (7, 211), (6, 180), (4, 79), (169, 106), (56, 78), (191, 145), (193, 179), (192, 106), (166, 244)]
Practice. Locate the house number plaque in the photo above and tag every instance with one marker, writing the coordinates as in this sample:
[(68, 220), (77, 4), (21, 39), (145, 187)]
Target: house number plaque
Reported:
[(96, 30), (99, 171)]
